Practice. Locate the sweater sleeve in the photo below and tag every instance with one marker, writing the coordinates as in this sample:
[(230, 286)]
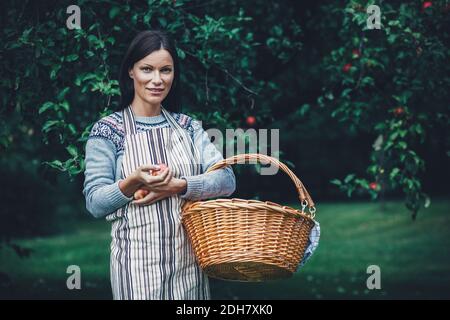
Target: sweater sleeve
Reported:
[(101, 192), (218, 183)]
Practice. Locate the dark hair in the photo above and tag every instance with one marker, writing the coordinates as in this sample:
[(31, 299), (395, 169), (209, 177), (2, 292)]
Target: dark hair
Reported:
[(142, 45)]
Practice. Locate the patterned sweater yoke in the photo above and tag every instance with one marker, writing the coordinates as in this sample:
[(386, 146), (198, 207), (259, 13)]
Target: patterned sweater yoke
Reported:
[(111, 127)]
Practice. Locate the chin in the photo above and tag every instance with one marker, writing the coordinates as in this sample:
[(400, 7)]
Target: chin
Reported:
[(154, 100)]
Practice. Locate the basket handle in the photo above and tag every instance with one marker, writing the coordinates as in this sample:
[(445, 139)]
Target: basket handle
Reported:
[(305, 198)]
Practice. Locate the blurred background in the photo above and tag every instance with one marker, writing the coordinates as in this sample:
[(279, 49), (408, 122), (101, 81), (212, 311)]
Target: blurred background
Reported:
[(363, 116)]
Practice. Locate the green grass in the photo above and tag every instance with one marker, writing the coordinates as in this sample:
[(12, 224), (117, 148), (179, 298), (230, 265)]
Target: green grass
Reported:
[(413, 256)]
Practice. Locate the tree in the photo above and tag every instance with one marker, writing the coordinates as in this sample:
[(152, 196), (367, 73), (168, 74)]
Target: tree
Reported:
[(392, 82), (241, 61)]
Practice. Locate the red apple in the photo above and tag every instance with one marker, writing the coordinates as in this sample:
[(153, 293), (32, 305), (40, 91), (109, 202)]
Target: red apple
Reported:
[(347, 67), (399, 111), (373, 185), (427, 4), (141, 193), (251, 120)]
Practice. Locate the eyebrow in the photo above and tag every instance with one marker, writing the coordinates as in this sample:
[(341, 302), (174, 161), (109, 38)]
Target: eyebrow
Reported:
[(168, 65)]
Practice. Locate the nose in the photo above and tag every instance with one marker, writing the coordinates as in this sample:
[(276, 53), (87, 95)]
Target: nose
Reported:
[(156, 79)]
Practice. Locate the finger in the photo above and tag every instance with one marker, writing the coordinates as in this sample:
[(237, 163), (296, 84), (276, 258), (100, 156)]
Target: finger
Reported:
[(146, 200), (150, 180), (165, 181), (169, 177), (160, 177), (156, 197), (148, 167), (144, 172), (159, 187), (164, 173), (159, 197), (140, 194)]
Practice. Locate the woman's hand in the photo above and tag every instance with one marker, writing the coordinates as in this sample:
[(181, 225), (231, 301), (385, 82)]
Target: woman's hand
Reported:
[(161, 188), (136, 179), (145, 177), (151, 197), (174, 186)]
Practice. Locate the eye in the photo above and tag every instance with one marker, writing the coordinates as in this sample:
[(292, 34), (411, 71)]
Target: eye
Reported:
[(166, 70), (146, 69)]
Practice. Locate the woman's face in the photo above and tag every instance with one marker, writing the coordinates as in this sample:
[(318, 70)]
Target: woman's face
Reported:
[(153, 77)]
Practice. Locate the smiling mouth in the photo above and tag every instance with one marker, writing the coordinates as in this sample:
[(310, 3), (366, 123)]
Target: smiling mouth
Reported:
[(155, 90)]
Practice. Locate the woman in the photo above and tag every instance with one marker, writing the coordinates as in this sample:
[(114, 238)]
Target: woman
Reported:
[(151, 256)]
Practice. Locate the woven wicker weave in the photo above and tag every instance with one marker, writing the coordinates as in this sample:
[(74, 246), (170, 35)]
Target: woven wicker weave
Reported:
[(249, 240)]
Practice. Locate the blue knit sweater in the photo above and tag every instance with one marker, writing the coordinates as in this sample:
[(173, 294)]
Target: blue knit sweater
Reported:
[(104, 153)]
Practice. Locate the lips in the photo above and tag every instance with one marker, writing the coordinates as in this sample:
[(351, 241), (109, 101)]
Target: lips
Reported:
[(155, 90)]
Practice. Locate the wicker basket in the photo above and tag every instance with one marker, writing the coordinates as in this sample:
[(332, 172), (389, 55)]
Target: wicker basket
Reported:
[(249, 240)]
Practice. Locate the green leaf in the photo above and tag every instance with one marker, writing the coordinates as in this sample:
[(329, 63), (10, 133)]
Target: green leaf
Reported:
[(427, 202), (92, 39), (89, 76), (111, 40), (47, 105), (349, 192), (147, 17), (62, 93), (349, 178), (181, 54), (393, 135), (336, 182), (72, 150), (362, 182), (89, 54), (346, 92), (162, 22), (372, 169), (113, 12), (394, 23), (402, 145), (394, 173), (391, 38), (65, 105), (57, 164), (49, 124), (72, 128), (303, 110), (277, 30), (418, 129), (72, 57)]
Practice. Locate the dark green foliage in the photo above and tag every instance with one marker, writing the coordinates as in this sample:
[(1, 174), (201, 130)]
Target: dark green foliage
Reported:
[(313, 71)]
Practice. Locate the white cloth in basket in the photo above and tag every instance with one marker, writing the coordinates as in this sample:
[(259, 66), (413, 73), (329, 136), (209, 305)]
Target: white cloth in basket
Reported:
[(313, 243)]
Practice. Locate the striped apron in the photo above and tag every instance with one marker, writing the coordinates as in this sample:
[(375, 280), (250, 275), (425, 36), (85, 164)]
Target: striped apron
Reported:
[(151, 255)]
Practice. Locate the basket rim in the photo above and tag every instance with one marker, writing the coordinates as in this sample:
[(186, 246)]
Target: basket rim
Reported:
[(196, 207)]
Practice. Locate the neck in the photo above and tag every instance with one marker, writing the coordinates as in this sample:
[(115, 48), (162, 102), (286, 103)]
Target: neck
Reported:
[(144, 109)]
